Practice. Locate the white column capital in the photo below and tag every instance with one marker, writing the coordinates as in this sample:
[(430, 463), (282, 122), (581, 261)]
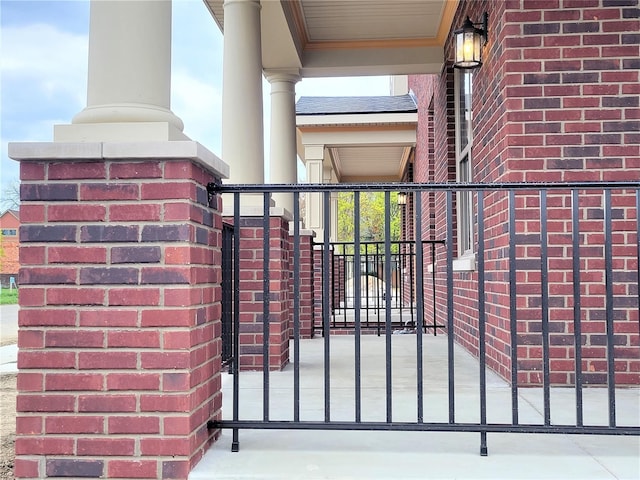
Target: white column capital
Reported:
[(290, 76), (252, 3), (314, 152)]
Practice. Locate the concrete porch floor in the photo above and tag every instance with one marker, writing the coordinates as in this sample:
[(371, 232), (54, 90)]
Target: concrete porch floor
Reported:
[(310, 454)]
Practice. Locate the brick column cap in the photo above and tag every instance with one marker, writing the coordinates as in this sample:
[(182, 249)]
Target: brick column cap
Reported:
[(257, 211), (162, 150), (304, 232)]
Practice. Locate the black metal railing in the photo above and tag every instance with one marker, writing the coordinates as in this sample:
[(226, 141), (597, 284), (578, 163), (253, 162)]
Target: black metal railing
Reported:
[(555, 273)]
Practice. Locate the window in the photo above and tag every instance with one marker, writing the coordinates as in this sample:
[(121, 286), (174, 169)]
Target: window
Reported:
[(464, 172), (9, 232)]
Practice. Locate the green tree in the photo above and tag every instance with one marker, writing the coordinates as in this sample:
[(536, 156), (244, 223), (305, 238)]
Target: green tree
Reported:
[(372, 209)]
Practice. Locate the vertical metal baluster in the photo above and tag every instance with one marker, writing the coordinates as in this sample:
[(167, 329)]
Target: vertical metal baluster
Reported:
[(544, 286), (513, 307), (419, 305), (433, 285), (377, 282), (608, 261), (357, 300), (387, 293), (400, 276), (235, 444), (265, 303), (345, 276), (638, 246), (450, 327), (334, 281), (577, 307), (296, 306), (413, 248), (482, 324), (366, 288), (326, 307)]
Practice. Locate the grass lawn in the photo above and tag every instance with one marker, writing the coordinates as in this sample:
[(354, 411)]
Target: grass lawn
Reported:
[(8, 297)]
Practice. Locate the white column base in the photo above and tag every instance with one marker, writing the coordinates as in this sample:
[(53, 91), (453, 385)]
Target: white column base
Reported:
[(118, 132)]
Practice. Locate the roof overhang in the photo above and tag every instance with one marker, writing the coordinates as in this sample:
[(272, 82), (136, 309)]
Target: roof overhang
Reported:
[(333, 38)]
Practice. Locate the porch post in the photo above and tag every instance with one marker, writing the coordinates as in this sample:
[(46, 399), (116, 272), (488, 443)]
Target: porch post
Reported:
[(314, 156), (129, 77), (252, 257), (242, 125), (283, 133)]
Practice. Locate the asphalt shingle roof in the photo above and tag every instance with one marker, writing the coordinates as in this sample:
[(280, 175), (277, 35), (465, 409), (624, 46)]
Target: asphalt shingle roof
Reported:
[(355, 105)]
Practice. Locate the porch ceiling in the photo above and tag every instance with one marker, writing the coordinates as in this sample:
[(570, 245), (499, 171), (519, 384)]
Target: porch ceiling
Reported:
[(361, 148), (334, 38), (366, 139)]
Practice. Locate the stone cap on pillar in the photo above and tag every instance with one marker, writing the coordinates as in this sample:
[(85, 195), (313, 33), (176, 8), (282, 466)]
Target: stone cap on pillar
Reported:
[(75, 151), (303, 232), (255, 210)]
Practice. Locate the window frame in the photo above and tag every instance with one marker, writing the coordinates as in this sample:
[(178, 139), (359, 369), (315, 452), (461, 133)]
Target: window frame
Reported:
[(463, 158)]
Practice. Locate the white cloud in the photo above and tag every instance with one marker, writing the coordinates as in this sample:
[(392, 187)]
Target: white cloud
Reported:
[(44, 75), (56, 60)]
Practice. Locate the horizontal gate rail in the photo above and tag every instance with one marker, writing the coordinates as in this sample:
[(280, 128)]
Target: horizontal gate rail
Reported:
[(551, 303), (429, 427)]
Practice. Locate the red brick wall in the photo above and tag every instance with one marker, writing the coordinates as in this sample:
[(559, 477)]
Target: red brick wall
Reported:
[(119, 340), (305, 287), (556, 99)]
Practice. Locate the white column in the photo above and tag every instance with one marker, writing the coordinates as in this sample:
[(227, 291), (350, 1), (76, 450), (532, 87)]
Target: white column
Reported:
[(242, 125), (314, 220), (129, 78), (283, 155)]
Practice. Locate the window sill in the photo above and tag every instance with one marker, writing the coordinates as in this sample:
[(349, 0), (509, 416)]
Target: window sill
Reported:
[(465, 263)]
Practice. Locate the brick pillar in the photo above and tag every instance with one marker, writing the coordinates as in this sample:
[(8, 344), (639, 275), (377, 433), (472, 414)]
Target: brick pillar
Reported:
[(252, 290), (318, 291), (119, 339), (338, 281), (306, 283)]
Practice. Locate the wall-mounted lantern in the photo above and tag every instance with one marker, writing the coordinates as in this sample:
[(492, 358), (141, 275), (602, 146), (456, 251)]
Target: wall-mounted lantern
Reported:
[(402, 198), (469, 40)]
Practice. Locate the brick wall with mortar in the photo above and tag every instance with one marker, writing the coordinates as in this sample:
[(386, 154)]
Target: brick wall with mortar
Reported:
[(306, 285), (119, 350), (555, 100), (318, 288), (252, 259)]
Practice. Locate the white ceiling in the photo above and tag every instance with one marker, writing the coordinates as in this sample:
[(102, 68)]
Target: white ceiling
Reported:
[(352, 37)]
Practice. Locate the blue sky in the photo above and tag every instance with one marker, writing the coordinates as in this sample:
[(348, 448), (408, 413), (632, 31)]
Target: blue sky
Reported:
[(43, 73)]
